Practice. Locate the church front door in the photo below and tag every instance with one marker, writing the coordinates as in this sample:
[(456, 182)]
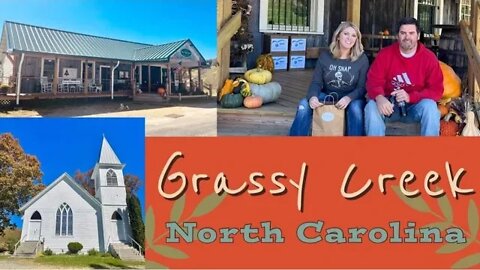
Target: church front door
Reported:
[(34, 230), (118, 231)]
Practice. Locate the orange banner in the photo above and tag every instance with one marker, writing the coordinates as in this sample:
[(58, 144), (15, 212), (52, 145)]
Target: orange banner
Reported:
[(312, 202)]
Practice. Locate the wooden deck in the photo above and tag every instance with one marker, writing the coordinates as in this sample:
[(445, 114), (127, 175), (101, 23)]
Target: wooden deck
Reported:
[(28, 96), (273, 119)]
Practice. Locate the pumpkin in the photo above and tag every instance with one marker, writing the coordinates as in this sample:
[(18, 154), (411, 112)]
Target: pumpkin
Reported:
[(232, 101), (443, 109), (258, 76), (451, 82), (265, 61), (470, 129), (162, 92), (226, 89), (253, 102), (269, 92), (448, 128)]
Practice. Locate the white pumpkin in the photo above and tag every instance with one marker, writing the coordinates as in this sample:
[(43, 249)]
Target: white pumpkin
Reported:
[(269, 92), (470, 129)]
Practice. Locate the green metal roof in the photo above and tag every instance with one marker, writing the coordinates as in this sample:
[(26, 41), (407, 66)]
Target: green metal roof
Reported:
[(29, 38), (158, 53)]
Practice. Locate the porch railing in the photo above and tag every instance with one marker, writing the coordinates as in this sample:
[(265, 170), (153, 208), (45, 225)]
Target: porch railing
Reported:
[(18, 243), (136, 245), (471, 40)]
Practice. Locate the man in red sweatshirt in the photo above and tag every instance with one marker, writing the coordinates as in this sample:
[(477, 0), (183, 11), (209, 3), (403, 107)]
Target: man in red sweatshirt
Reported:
[(403, 84)]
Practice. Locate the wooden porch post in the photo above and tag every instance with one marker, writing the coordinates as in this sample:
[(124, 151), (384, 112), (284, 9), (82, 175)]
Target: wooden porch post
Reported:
[(85, 77), (94, 69), (42, 63), (353, 11), (19, 78), (200, 84), (55, 75), (227, 25), (169, 80), (190, 82), (475, 27), (140, 79), (132, 78), (149, 78)]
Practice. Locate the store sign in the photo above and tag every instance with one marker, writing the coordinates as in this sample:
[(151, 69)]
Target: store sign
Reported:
[(186, 52)]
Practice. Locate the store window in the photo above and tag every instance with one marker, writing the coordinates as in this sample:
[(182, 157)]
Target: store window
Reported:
[(292, 16)]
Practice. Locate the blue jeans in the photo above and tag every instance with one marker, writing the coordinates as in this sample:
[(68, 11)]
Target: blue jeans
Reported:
[(425, 112), (302, 124)]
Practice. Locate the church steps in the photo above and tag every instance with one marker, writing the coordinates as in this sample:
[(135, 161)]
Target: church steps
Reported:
[(126, 252), (28, 249)]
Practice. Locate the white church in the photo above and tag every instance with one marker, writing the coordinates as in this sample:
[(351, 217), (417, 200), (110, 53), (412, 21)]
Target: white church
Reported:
[(65, 212)]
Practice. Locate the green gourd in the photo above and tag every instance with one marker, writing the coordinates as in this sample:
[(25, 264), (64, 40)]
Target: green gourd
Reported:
[(232, 101)]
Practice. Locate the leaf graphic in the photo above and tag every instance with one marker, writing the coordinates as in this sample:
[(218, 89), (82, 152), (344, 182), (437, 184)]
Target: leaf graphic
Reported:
[(445, 207), (154, 265), (416, 203), (169, 252), (177, 209), (468, 261), (208, 204), (453, 247), (149, 226), (473, 219)]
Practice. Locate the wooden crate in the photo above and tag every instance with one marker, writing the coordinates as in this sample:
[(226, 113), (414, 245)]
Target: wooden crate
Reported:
[(273, 43), (297, 61)]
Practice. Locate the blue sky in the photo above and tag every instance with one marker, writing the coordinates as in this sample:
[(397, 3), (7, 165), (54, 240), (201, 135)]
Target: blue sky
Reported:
[(71, 144), (144, 21)]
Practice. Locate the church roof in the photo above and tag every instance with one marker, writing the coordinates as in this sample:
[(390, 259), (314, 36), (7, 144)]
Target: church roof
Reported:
[(107, 155), (75, 186)]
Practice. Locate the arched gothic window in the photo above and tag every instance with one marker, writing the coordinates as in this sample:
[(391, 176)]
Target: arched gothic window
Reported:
[(116, 216), (111, 178), (64, 224), (36, 216)]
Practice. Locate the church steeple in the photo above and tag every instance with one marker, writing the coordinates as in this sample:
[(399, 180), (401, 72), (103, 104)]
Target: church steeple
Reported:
[(108, 176), (107, 155)]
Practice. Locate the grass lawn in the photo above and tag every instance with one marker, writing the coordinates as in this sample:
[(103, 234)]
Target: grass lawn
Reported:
[(4, 257), (97, 262)]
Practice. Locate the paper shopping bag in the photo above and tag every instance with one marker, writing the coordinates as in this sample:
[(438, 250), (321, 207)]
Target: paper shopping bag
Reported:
[(328, 120)]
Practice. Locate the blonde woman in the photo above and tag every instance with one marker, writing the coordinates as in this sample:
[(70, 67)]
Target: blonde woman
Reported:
[(342, 70)]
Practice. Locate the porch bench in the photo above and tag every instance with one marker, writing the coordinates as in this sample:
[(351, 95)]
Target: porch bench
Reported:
[(402, 129)]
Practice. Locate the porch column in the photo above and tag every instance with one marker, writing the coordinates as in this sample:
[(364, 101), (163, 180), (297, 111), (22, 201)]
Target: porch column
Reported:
[(112, 80), (132, 78), (190, 82), (169, 80), (55, 75), (161, 75), (149, 79), (42, 63), (93, 73), (200, 84), (19, 78), (85, 78), (140, 74), (353, 11)]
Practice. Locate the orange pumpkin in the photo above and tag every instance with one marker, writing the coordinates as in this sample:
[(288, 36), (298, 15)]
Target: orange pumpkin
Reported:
[(448, 128), (161, 91), (443, 109), (253, 102), (451, 82)]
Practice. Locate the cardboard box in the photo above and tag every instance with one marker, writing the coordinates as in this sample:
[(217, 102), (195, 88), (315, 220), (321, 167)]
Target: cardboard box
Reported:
[(297, 61), (280, 61), (298, 44), (275, 43)]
